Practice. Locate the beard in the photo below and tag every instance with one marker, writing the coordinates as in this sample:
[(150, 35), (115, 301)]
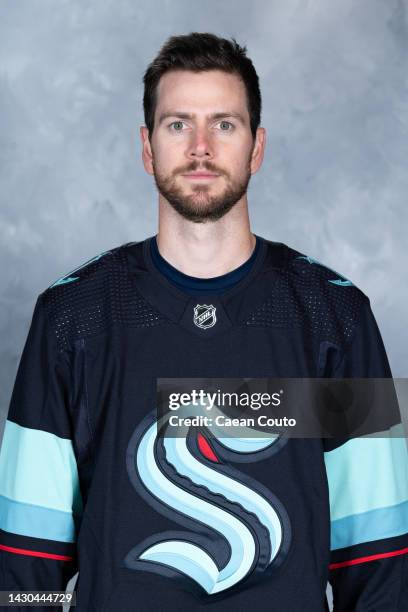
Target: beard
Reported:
[(200, 206)]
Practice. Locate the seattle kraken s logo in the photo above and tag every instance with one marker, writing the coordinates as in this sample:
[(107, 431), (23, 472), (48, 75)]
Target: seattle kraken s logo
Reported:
[(235, 529)]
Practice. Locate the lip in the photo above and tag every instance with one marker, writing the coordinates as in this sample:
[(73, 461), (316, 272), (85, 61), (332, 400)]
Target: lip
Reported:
[(200, 175)]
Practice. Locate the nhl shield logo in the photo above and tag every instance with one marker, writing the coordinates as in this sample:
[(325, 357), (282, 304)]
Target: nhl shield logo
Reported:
[(204, 316)]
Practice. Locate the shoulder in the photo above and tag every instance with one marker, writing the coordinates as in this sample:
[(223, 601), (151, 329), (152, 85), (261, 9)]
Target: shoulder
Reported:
[(312, 275), (303, 268), (311, 294), (85, 300), (101, 264)]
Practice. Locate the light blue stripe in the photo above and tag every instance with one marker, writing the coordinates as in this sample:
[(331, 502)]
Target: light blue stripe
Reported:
[(185, 557), (36, 522), (39, 468), (367, 473), (370, 526)]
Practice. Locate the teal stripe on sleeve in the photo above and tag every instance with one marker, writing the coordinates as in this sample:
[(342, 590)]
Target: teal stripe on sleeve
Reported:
[(369, 526), (366, 474), (39, 468), (35, 521)]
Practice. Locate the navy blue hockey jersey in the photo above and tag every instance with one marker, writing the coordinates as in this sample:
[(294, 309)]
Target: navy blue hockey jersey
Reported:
[(87, 485)]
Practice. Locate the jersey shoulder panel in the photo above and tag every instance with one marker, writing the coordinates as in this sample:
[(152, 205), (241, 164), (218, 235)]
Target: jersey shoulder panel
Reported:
[(331, 301), (309, 295), (95, 295)]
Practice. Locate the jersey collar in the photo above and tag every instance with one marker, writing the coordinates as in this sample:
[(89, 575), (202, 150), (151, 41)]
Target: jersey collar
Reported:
[(210, 313)]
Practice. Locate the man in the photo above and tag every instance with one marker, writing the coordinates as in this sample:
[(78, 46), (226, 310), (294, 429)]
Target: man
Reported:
[(86, 482)]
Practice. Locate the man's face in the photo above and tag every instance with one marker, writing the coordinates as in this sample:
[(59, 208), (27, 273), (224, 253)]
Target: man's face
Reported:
[(202, 125)]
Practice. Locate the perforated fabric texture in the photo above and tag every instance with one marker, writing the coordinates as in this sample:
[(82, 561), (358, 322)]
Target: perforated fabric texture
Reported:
[(103, 294), (305, 296)]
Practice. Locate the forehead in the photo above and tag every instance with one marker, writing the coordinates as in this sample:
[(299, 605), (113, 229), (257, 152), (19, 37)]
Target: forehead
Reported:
[(205, 91)]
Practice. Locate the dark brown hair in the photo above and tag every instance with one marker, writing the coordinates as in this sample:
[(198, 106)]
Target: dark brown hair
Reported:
[(200, 51)]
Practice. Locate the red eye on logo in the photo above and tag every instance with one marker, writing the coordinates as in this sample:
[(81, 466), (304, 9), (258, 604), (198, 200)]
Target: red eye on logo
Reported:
[(206, 449)]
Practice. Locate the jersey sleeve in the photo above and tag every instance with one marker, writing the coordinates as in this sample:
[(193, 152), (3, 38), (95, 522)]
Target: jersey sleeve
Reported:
[(368, 490), (40, 499)]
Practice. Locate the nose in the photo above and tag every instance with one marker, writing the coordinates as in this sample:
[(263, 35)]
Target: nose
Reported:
[(200, 145)]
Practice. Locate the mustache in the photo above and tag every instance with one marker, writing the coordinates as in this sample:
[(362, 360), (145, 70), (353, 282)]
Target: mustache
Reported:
[(194, 167)]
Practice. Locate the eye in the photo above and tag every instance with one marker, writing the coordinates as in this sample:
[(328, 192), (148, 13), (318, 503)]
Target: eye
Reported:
[(229, 127), (178, 124)]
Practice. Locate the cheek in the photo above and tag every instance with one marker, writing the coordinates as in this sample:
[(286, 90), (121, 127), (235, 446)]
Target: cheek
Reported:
[(161, 162), (239, 163), (235, 155), (166, 158)]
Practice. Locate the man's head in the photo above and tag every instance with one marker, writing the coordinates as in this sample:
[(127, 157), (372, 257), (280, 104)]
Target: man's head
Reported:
[(202, 108)]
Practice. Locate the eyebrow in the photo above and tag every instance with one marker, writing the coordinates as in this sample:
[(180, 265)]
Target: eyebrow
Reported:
[(182, 115)]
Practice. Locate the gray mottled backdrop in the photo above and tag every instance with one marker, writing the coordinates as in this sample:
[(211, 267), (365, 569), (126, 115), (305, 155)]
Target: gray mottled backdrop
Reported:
[(334, 79)]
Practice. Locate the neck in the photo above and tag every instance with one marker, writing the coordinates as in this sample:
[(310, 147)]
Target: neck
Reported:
[(204, 250)]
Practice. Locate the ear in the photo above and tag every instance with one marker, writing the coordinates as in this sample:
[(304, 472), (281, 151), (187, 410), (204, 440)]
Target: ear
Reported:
[(147, 155), (258, 150)]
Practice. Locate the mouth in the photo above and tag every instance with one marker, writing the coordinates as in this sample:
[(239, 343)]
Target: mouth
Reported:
[(200, 176)]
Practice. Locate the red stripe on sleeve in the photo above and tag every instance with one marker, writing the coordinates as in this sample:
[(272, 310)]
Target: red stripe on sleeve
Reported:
[(393, 553), (35, 553)]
